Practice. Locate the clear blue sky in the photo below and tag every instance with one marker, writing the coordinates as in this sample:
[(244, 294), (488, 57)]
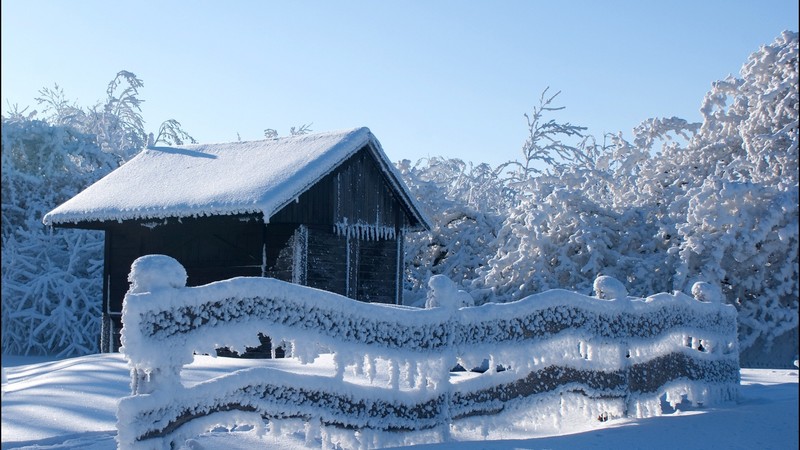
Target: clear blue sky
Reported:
[(450, 78)]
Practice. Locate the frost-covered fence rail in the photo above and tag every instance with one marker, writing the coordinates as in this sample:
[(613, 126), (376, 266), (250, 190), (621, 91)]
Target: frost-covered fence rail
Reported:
[(609, 355)]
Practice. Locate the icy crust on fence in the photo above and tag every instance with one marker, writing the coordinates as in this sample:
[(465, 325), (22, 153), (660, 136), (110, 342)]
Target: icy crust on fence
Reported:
[(231, 313), (392, 365), (308, 397), (156, 420)]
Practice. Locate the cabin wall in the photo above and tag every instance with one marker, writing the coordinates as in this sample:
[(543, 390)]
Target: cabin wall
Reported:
[(327, 260), (358, 268), (354, 193), (280, 251), (352, 221), (375, 270), (210, 248)]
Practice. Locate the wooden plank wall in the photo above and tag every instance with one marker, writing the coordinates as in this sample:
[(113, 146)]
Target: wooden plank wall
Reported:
[(357, 190)]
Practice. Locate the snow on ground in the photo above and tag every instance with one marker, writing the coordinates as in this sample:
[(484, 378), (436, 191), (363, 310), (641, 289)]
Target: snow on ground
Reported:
[(71, 404)]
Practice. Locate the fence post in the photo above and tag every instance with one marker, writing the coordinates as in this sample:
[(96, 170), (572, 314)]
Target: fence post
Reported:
[(150, 275), (610, 289), (444, 293)]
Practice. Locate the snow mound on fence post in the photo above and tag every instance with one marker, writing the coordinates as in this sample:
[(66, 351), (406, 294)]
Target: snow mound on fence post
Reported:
[(706, 292), (609, 288), (444, 293), (155, 272), (151, 366)]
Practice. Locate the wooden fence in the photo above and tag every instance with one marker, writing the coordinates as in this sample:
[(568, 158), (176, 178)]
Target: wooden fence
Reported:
[(623, 355)]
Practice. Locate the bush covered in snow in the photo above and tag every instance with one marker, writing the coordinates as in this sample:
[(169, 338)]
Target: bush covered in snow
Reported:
[(714, 202), (52, 278)]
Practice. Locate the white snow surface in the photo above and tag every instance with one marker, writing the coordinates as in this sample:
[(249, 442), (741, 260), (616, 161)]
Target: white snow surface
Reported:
[(218, 179), (71, 404)]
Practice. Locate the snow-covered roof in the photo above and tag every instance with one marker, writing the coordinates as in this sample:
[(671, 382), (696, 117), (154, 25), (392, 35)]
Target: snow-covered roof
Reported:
[(222, 179)]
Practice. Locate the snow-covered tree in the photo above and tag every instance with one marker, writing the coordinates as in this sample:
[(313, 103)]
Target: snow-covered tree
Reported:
[(466, 203), (563, 234), (546, 147), (742, 237), (714, 201), (51, 278), (737, 218)]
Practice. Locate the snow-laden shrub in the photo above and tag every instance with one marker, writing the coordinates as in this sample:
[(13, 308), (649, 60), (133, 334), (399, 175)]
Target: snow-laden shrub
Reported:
[(465, 204), (744, 237), (558, 237), (717, 202), (51, 279), (737, 217)]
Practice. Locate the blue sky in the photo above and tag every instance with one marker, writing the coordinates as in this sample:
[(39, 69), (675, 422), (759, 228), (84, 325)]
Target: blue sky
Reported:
[(450, 78)]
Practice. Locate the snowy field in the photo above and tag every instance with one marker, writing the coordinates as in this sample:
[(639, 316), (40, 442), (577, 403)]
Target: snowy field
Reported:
[(71, 404)]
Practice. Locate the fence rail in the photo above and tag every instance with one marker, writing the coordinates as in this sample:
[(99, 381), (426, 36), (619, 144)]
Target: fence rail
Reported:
[(621, 354)]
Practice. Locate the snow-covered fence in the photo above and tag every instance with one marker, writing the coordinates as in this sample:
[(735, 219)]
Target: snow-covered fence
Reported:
[(609, 355)]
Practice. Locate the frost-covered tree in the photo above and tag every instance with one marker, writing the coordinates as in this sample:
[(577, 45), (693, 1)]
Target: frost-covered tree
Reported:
[(466, 203), (117, 121), (563, 233), (271, 133), (546, 146), (51, 278), (714, 201), (742, 237), (737, 219)]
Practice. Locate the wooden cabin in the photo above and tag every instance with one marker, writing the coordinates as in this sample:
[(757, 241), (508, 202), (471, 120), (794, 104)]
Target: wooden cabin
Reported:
[(325, 210)]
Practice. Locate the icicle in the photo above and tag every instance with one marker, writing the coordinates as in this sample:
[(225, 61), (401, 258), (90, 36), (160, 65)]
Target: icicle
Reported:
[(485, 429), (364, 231), (365, 438), (275, 428), (347, 264), (583, 349), (339, 365), (413, 373), (394, 373), (371, 363), (264, 260), (358, 368), (312, 431)]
